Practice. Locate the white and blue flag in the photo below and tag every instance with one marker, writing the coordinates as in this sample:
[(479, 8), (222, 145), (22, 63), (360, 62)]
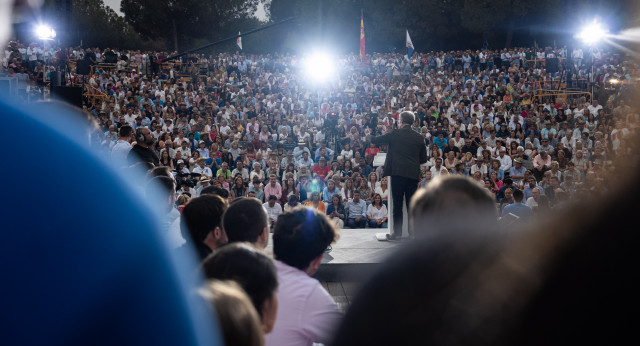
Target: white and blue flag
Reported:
[(409, 46)]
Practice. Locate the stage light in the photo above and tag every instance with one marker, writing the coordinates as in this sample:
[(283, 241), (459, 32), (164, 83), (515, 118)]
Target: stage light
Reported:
[(319, 67), (45, 32), (592, 33)]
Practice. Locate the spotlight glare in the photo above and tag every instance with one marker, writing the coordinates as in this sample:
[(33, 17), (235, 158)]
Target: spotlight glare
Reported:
[(319, 67), (592, 33), (45, 32)]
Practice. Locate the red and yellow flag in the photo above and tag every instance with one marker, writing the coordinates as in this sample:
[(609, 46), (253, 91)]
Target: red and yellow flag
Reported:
[(362, 56)]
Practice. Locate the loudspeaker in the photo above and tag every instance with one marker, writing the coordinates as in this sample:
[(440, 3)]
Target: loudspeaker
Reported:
[(72, 95), (110, 57), (552, 65), (56, 78), (83, 67)]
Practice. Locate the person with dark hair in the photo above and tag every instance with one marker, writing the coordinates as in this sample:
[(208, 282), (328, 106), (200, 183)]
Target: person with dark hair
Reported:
[(215, 190), (508, 184), (407, 151), (201, 224), (254, 271), (356, 210), (438, 207), (122, 147), (273, 208), (142, 150), (307, 313), (162, 171), (518, 209), (245, 220), (238, 319)]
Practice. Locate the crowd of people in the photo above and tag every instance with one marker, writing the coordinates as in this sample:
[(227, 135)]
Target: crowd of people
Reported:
[(255, 126), (244, 146)]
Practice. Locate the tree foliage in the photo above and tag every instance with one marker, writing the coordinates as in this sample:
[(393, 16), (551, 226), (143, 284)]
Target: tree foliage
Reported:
[(185, 21), (95, 24)]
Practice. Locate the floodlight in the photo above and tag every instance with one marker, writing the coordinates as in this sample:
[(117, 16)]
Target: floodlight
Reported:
[(319, 67), (614, 81), (45, 32), (592, 33)]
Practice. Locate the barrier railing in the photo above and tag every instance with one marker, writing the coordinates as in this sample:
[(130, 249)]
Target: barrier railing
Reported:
[(562, 94)]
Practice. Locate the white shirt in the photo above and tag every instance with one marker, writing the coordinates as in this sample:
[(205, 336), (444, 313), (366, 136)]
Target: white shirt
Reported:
[(505, 162), (174, 236), (120, 151), (374, 213), (384, 194), (306, 312), (205, 171), (594, 110), (531, 202), (274, 211), (436, 171)]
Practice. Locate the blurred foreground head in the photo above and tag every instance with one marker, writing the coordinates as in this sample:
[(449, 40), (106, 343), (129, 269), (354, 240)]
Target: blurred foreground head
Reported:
[(238, 319), (452, 204), (569, 280), (253, 271)]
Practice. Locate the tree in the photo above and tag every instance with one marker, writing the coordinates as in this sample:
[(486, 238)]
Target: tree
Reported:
[(185, 20), (98, 25)]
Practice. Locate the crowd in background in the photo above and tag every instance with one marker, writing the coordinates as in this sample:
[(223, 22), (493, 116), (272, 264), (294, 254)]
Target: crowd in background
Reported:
[(258, 126)]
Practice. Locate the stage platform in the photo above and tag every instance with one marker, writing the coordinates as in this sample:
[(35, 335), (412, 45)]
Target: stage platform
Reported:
[(355, 255)]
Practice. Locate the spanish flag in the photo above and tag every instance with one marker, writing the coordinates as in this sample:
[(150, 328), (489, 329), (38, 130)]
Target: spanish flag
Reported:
[(362, 56)]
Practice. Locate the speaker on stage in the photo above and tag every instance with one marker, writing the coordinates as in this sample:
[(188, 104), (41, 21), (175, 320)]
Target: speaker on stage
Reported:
[(552, 65), (56, 78), (72, 95), (83, 67)]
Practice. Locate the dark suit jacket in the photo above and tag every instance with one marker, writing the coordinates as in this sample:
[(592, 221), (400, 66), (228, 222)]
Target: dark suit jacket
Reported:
[(406, 152)]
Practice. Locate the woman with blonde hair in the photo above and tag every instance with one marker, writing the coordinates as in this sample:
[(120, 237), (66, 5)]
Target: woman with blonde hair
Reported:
[(347, 190), (372, 181)]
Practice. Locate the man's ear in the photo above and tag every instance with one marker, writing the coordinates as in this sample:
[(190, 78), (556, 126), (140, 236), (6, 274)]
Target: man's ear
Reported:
[(263, 238), (314, 265)]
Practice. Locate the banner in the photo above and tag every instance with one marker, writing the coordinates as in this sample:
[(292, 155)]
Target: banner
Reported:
[(239, 41)]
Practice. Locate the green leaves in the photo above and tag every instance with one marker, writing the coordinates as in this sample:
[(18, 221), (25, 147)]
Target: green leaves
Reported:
[(186, 21)]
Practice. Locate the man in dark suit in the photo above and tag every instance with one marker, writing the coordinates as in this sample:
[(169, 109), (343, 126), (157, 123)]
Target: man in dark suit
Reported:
[(405, 154)]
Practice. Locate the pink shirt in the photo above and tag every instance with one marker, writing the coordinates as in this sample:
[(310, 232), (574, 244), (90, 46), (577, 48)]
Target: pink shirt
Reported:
[(539, 162), (270, 190), (306, 312)]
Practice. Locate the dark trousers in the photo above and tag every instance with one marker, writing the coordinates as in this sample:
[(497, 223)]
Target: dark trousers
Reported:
[(352, 223), (402, 189)]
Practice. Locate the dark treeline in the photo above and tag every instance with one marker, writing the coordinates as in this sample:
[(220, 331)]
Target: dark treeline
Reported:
[(335, 24)]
